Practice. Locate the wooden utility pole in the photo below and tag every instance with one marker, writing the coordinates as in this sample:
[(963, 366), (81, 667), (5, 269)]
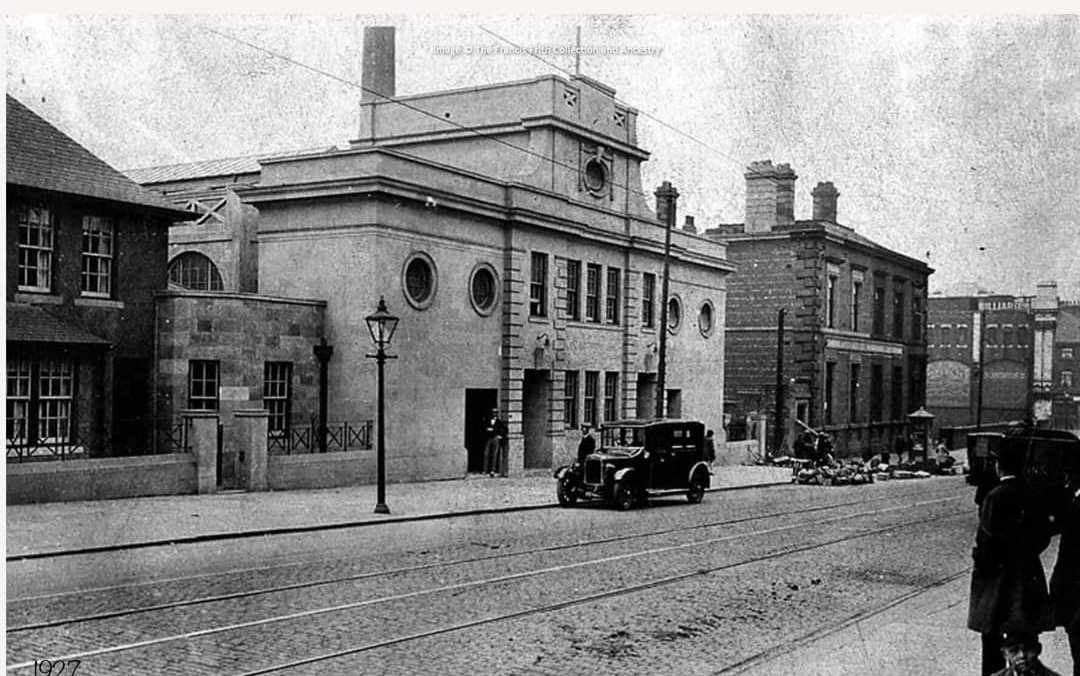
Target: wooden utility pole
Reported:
[(778, 433), (666, 199)]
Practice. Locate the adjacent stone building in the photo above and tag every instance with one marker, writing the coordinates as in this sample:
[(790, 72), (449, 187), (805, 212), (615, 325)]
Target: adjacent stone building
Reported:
[(853, 360), (86, 251), (507, 227)]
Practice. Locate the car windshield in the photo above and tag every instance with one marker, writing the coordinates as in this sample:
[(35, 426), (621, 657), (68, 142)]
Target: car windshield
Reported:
[(614, 438)]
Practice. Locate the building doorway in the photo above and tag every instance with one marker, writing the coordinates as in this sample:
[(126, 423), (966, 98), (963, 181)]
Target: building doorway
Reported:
[(478, 405), (534, 418), (646, 396)]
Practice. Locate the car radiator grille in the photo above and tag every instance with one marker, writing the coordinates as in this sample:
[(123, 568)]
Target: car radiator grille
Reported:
[(593, 471)]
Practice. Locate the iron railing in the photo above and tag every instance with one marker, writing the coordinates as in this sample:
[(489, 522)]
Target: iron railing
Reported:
[(303, 437), (130, 437), (150, 436), (75, 446)]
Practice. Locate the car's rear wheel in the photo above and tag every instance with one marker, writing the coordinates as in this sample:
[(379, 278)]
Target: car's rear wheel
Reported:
[(566, 492), (699, 483), (624, 496)]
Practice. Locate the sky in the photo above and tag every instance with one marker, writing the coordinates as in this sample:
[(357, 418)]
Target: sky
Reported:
[(954, 139)]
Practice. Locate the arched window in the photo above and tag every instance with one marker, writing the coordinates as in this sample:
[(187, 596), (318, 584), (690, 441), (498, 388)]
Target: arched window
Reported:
[(192, 270)]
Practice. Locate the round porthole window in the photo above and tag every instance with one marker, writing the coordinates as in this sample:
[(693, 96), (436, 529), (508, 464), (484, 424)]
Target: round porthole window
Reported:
[(706, 319), (483, 289), (595, 176), (419, 280), (674, 314)]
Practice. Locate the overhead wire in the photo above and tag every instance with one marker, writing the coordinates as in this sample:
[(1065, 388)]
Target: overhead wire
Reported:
[(703, 144), (782, 186), (414, 108)]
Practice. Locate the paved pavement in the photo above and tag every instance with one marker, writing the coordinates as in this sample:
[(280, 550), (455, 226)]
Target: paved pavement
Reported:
[(926, 634), (34, 530)]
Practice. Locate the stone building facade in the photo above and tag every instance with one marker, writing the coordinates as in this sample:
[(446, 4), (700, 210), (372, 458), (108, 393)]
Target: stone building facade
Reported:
[(854, 319), (229, 352), (507, 227)]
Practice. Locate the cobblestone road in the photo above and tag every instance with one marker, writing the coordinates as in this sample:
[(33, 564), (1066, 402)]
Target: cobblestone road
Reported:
[(423, 599)]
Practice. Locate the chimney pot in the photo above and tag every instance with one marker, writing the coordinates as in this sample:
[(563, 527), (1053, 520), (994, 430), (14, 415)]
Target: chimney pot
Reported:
[(824, 196)]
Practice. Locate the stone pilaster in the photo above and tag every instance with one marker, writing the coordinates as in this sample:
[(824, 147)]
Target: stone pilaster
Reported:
[(201, 429)]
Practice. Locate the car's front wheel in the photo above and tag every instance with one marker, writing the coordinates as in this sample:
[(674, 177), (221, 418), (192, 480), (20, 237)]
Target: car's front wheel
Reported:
[(566, 492), (624, 496), (699, 483)]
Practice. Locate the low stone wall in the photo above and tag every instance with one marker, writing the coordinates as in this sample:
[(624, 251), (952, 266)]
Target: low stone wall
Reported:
[(100, 479), (320, 470), (738, 452)]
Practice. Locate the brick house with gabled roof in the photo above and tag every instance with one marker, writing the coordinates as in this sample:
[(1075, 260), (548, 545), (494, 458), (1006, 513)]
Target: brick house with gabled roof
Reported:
[(86, 251)]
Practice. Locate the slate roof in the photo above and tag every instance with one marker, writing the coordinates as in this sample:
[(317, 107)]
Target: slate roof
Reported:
[(31, 324), (41, 156), (229, 166)]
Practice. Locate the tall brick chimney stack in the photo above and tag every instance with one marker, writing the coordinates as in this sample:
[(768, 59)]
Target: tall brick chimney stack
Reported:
[(770, 196), (825, 195), (378, 77)]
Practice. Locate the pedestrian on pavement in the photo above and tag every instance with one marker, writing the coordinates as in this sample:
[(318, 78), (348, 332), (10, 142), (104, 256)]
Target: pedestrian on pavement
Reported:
[(1009, 604), (587, 444), (1065, 580), (710, 447), (495, 431)]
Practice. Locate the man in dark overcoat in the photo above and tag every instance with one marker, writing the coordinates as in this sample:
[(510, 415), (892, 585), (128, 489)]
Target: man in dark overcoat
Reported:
[(1009, 600), (1065, 581), (587, 444), (495, 432)]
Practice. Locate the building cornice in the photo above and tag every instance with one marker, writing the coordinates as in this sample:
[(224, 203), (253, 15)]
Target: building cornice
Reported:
[(509, 202)]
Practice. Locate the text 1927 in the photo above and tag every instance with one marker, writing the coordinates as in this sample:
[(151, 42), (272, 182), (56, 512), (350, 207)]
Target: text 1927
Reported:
[(55, 668)]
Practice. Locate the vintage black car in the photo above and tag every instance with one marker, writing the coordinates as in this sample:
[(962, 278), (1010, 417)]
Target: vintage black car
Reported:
[(636, 459), (1051, 461)]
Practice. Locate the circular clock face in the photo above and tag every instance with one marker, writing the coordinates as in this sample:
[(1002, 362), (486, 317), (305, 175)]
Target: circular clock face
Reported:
[(595, 176)]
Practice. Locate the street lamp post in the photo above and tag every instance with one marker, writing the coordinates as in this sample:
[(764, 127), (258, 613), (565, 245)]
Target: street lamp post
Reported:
[(381, 324)]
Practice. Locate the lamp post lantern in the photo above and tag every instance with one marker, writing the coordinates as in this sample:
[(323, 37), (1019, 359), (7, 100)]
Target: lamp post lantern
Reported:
[(381, 324)]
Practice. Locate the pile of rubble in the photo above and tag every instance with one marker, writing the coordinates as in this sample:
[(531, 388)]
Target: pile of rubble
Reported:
[(831, 472)]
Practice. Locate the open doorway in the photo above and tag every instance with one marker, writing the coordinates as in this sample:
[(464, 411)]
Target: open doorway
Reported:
[(478, 405)]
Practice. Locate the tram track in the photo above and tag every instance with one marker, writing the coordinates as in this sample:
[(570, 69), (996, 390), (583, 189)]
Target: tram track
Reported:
[(626, 590), (61, 598), (504, 579)]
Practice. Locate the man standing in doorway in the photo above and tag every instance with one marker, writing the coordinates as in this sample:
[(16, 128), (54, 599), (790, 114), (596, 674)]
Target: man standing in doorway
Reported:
[(495, 431)]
